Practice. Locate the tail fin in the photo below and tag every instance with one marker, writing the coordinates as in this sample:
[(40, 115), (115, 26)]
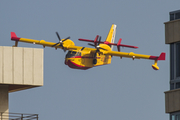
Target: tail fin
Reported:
[(111, 35)]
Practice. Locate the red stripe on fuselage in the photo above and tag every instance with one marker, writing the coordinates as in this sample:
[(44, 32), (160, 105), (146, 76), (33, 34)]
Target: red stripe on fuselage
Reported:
[(85, 57), (75, 66)]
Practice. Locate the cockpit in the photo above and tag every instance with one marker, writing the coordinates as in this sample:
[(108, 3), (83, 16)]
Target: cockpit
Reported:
[(71, 54)]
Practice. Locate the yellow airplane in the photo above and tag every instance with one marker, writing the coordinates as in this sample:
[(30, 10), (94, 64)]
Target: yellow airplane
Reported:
[(84, 58)]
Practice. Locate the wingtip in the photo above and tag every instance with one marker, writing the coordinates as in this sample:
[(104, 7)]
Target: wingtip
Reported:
[(14, 37), (136, 47), (162, 56)]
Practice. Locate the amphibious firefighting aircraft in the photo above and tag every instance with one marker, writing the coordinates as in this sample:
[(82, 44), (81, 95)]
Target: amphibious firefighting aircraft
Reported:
[(84, 58)]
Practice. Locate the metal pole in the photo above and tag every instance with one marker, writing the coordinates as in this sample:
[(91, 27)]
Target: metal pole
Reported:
[(21, 116)]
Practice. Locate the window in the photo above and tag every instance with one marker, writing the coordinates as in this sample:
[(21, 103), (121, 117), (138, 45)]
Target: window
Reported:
[(175, 65), (175, 116), (171, 17), (70, 54), (177, 85), (177, 15), (78, 54), (177, 59), (174, 15), (172, 117), (171, 61)]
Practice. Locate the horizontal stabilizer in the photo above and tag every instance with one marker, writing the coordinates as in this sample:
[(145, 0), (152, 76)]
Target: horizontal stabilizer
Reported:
[(122, 45), (105, 42)]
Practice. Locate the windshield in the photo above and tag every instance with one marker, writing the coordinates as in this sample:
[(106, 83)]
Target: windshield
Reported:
[(72, 54)]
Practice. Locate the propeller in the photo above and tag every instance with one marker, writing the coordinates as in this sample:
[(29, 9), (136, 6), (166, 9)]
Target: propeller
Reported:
[(97, 49), (97, 46), (60, 41)]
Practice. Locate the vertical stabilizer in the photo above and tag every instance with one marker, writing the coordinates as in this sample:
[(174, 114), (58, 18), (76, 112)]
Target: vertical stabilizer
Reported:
[(111, 35)]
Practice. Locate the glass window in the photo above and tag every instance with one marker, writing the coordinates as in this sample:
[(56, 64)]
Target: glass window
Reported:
[(174, 15), (78, 54), (178, 60), (171, 61), (175, 116), (70, 54), (178, 117), (171, 17), (175, 64), (172, 117), (177, 15), (171, 86), (178, 85)]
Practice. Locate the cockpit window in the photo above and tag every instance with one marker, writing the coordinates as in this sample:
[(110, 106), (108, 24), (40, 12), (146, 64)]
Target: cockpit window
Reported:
[(78, 54), (72, 54)]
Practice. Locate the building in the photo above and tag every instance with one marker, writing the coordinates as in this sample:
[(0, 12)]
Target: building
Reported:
[(172, 37), (20, 69)]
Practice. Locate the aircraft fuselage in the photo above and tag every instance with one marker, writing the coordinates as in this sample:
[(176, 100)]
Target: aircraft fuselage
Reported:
[(83, 60)]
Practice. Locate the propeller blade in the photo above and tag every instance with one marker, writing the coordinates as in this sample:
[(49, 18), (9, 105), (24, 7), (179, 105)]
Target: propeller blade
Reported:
[(55, 44), (102, 48), (82, 49), (63, 48), (97, 47), (58, 36), (60, 41), (91, 44), (66, 39), (99, 40), (61, 45)]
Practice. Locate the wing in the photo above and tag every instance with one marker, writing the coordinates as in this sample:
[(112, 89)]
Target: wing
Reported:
[(67, 45), (135, 56), (138, 56)]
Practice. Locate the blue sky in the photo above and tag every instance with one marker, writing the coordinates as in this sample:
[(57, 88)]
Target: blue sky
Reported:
[(125, 89)]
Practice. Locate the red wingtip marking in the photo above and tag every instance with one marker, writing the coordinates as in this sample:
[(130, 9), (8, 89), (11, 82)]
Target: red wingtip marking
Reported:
[(13, 34), (162, 56), (14, 37)]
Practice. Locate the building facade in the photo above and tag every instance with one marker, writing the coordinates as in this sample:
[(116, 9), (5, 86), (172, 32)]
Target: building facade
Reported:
[(172, 37), (20, 69)]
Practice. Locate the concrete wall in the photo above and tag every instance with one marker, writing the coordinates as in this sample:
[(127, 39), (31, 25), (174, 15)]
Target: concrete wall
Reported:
[(4, 104), (21, 68), (172, 100), (172, 31)]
